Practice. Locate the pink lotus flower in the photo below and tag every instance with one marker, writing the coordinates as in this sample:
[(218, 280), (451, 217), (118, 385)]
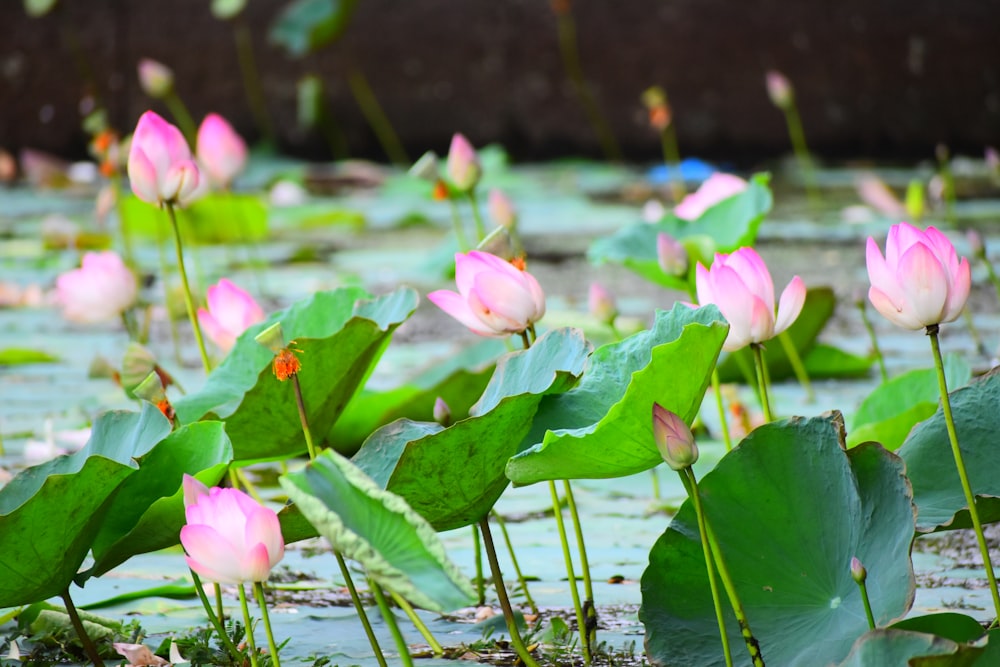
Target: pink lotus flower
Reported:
[(671, 255), (160, 167), (100, 290), (501, 209), (920, 281), (673, 438), (155, 78), (463, 164), (715, 189), (494, 297), (601, 303), (222, 153), (229, 537), (779, 89), (230, 311), (741, 286)]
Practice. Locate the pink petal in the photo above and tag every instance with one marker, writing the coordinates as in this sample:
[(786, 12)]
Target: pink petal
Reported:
[(142, 176), (507, 299), (761, 321), (958, 294), (494, 320), (889, 310), (215, 332), (924, 283), (255, 564), (703, 285), (210, 554), (736, 304), (193, 489), (793, 297), (456, 306), (263, 528), (881, 275)]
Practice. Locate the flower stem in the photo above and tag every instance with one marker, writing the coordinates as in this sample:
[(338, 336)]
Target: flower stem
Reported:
[(390, 621), (672, 159), (868, 605), (188, 301), (508, 611), (477, 555), (362, 616), (476, 216), (181, 114), (249, 627), (301, 404), (258, 591), (687, 477), (456, 224), (871, 334), (798, 137), (956, 451), (797, 366), (765, 402), (174, 335), (418, 623), (376, 118), (717, 389), (217, 590), (581, 619), (513, 559), (88, 644), (251, 81), (216, 621), (590, 611)]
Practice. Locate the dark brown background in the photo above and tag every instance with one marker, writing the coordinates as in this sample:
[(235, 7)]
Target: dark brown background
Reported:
[(875, 78)]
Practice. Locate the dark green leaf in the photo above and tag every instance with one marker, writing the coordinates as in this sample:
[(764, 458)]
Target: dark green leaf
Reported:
[(305, 26), (884, 647)]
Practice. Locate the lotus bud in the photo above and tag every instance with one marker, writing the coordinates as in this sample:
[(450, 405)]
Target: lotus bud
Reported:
[(426, 168), (463, 164), (601, 304), (977, 247), (502, 210), (193, 489), (155, 78), (671, 254), (914, 202), (780, 90), (858, 571), (673, 438), (442, 413)]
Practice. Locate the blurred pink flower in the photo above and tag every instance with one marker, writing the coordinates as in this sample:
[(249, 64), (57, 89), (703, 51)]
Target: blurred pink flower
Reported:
[(601, 303), (100, 290), (779, 89), (716, 188), (160, 168), (494, 297), (230, 538), (920, 281), (222, 153), (155, 78), (230, 311), (741, 286), (463, 164), (671, 255), (502, 209), (875, 193)]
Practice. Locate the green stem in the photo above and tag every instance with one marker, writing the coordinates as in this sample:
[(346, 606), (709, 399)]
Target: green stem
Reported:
[(765, 402), (797, 366), (376, 118), (127, 245), (948, 192), (258, 591), (164, 277), (956, 451), (508, 611), (390, 621), (215, 620), (868, 605), (251, 81), (183, 117), (672, 159), (477, 555), (992, 274), (476, 216), (362, 616), (217, 590), (422, 628), (188, 301), (717, 389), (590, 611), (798, 137), (301, 404), (249, 627), (688, 479), (581, 619), (88, 644), (656, 484), (513, 559), (253, 252), (456, 224), (871, 334)]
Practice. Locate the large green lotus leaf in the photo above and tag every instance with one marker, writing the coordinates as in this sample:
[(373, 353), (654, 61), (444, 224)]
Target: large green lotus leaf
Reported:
[(378, 529), (453, 476), (950, 625), (889, 413), (338, 336), (789, 508), (722, 228), (50, 513), (603, 427), (215, 218), (827, 361), (148, 512), (458, 380), (930, 465), (886, 647)]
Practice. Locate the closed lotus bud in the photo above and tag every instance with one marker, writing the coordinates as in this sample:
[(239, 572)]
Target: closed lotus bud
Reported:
[(442, 413), (601, 303), (463, 164), (502, 210), (780, 90), (155, 78), (673, 438), (858, 571), (671, 254)]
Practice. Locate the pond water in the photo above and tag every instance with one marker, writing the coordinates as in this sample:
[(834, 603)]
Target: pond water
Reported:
[(563, 207)]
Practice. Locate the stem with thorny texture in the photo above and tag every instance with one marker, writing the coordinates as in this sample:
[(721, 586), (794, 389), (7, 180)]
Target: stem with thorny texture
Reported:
[(581, 619), (88, 644), (590, 611), (188, 301), (765, 402), (306, 432), (213, 619), (513, 559), (246, 622), (258, 591), (390, 621), (970, 499), (508, 611), (690, 485), (362, 616)]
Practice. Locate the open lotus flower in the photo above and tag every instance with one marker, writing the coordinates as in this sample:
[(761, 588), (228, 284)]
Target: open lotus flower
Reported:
[(222, 153), (741, 286), (494, 297), (716, 188), (230, 311), (920, 281), (100, 290), (229, 537), (160, 168)]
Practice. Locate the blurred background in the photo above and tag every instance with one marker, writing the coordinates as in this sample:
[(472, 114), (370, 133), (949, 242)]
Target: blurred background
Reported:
[(885, 80)]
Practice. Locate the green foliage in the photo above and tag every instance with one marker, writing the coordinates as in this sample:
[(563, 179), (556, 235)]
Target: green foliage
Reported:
[(883, 647), (305, 26), (789, 508), (15, 356), (215, 218)]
